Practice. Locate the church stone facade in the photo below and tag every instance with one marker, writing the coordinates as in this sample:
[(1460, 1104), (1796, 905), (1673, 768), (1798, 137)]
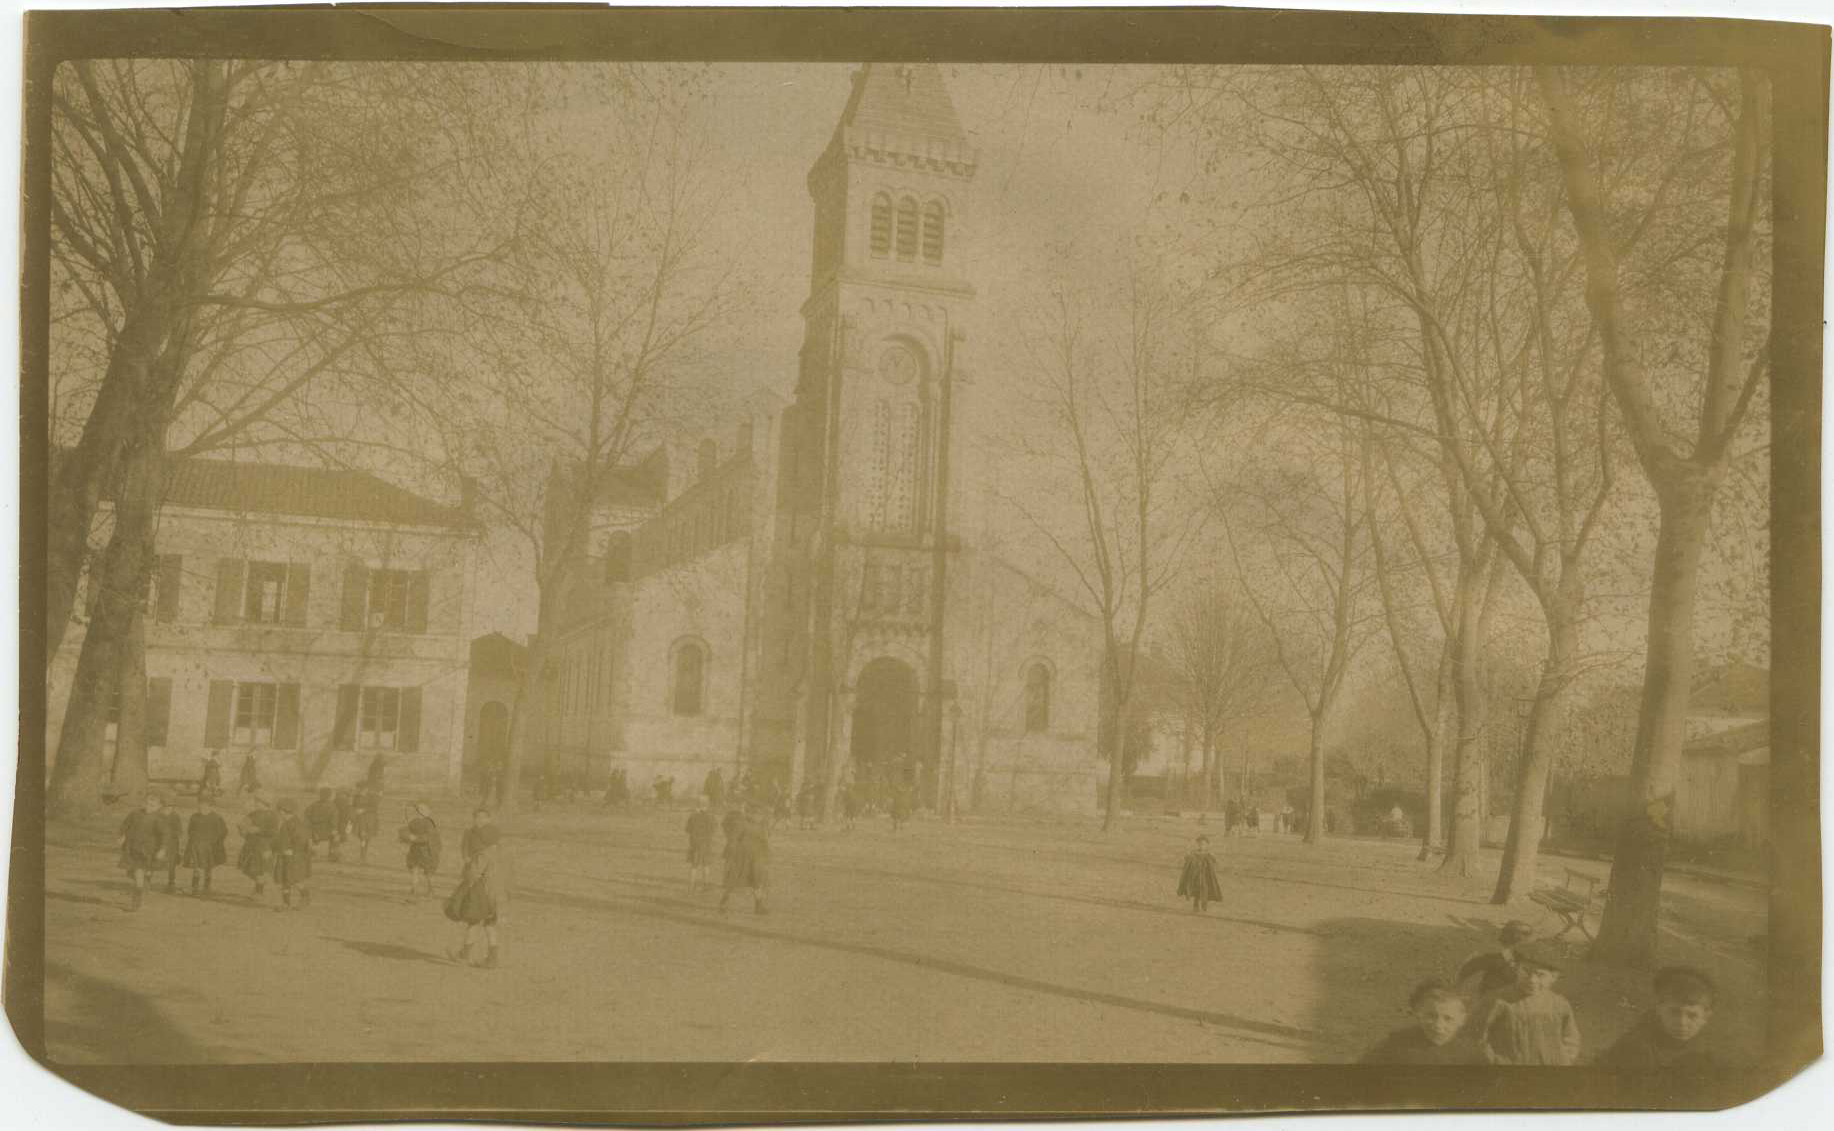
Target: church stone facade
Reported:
[(807, 594)]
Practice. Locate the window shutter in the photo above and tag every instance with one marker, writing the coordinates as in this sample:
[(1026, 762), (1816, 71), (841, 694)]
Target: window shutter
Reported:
[(216, 716), (443, 616), (171, 576), (158, 709), (344, 730), (286, 717), (229, 590), (299, 584), (407, 738), (417, 601), (356, 598)]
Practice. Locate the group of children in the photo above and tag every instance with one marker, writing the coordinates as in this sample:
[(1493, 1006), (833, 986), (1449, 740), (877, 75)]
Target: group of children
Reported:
[(1524, 1020), (278, 843)]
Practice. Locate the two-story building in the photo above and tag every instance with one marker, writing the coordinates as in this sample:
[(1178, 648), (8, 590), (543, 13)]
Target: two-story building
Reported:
[(309, 617)]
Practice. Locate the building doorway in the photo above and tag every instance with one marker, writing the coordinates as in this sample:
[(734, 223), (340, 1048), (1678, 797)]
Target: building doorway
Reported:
[(884, 747), (493, 741)]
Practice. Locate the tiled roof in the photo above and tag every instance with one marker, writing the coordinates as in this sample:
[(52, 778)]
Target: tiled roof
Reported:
[(312, 492), (903, 99)]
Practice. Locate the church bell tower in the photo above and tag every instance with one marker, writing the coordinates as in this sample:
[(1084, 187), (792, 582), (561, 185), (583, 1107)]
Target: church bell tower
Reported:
[(875, 398)]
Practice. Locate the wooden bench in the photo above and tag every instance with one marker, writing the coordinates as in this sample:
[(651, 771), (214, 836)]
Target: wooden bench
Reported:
[(1570, 904)]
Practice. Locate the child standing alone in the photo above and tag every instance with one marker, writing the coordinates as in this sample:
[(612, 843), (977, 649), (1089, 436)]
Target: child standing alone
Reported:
[(700, 845), (477, 901), (1198, 882)]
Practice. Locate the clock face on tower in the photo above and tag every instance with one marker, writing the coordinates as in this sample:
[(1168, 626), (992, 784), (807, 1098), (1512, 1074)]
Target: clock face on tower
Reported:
[(898, 364)]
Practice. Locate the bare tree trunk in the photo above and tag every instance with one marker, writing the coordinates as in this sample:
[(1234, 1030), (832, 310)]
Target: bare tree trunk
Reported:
[(129, 773), (1315, 818), (1444, 719), (1210, 766), (1627, 931), (1466, 841), (529, 707), (1546, 720), (121, 573)]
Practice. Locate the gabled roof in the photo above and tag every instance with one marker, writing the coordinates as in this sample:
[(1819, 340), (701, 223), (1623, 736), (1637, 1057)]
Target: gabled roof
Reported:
[(311, 492), (903, 99)]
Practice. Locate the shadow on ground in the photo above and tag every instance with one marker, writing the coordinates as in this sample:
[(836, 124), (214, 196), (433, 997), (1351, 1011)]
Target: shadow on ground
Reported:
[(100, 1021)]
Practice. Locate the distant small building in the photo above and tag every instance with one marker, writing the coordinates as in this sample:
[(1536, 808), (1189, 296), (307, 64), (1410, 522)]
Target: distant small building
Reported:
[(309, 617), (490, 699)]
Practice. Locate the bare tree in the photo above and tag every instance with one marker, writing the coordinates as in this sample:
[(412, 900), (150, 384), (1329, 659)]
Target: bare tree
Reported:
[(1109, 401), (1310, 584), (576, 359), (1220, 653), (1685, 471)]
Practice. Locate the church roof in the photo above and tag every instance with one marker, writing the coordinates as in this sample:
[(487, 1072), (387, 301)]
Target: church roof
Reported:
[(905, 100)]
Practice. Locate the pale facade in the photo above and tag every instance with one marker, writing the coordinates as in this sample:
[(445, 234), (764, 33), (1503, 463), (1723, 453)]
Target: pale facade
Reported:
[(310, 618), (806, 593)]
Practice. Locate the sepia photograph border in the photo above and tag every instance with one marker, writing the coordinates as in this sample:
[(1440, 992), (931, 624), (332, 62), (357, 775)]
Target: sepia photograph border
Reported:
[(1796, 56)]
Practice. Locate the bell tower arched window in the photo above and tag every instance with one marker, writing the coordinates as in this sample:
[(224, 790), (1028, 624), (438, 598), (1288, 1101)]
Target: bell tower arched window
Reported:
[(907, 229), (1037, 698), (932, 232), (879, 235), (688, 693)]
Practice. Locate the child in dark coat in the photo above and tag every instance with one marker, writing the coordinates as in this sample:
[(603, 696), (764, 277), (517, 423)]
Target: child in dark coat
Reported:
[(211, 784), (321, 822), (257, 827), (1198, 882), (365, 819), (1434, 1037), (141, 838), (171, 842), (1667, 1038), (421, 835), (1496, 970), (1531, 1024), (292, 855), (747, 860), (901, 805), (477, 901), (250, 781), (700, 845), (205, 837)]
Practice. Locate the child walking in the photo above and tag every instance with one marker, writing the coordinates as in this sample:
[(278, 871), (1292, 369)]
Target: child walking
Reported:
[(292, 855), (141, 838), (700, 844), (478, 899), (421, 835), (257, 827), (1667, 1038), (747, 857), (171, 842), (205, 837), (321, 822), (1532, 1024), (365, 819), (1198, 882), (1433, 1038)]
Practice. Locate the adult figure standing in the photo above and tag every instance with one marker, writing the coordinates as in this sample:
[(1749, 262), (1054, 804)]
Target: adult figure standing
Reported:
[(250, 781), (714, 789)]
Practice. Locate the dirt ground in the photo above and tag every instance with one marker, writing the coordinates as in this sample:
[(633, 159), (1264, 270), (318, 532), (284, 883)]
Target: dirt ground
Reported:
[(989, 940)]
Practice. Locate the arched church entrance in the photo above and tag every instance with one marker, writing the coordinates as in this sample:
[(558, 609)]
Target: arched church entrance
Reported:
[(884, 743)]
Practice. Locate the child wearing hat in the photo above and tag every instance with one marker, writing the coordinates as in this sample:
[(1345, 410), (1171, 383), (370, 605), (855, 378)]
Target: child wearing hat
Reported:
[(141, 838), (1198, 882), (257, 827), (747, 859), (1532, 1024), (292, 855), (1434, 1037), (1496, 969), (421, 835), (475, 903), (1667, 1037), (205, 836)]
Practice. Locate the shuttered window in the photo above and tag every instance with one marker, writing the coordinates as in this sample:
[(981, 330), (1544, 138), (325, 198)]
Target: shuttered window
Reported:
[(158, 710), (879, 237), (932, 232)]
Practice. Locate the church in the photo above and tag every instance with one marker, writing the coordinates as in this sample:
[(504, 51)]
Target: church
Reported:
[(808, 595)]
